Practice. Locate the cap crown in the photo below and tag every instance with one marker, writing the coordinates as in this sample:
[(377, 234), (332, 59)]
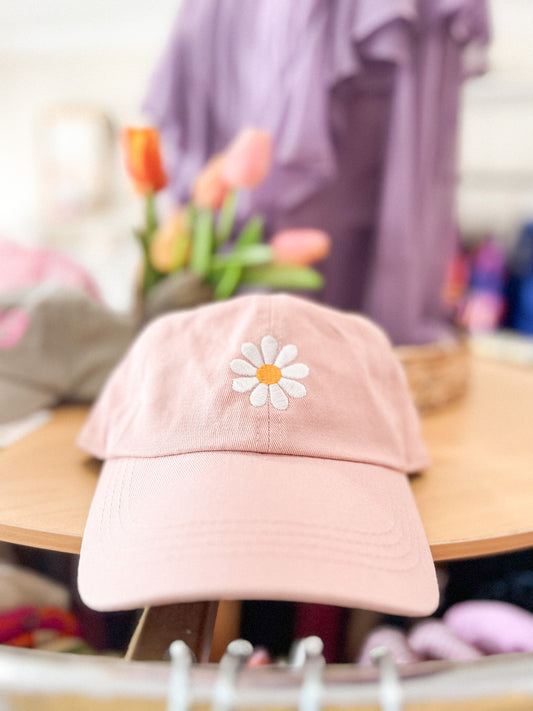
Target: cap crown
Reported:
[(174, 391)]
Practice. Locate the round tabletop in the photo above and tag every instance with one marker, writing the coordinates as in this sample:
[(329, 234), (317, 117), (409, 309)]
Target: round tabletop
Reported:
[(476, 497)]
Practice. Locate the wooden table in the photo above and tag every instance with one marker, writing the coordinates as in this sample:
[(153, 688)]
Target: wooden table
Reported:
[(475, 499)]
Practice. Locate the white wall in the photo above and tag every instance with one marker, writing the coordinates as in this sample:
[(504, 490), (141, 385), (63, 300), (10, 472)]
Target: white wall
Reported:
[(496, 164)]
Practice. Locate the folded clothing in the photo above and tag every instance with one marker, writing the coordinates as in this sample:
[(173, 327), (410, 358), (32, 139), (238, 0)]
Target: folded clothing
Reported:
[(21, 587), (493, 627), (394, 640), (468, 630), (56, 344), (41, 627)]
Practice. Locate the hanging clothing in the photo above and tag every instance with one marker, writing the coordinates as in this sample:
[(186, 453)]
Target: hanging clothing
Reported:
[(362, 99)]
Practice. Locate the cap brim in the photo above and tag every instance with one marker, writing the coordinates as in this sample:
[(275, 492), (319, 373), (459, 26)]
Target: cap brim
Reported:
[(236, 525)]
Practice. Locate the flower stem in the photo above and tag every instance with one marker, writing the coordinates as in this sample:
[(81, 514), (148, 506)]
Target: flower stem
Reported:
[(151, 216), (202, 246), (150, 274), (226, 218)]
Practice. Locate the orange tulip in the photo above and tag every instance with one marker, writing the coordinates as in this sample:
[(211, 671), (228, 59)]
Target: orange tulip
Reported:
[(210, 187), (170, 246), (143, 159), (248, 158), (300, 246)]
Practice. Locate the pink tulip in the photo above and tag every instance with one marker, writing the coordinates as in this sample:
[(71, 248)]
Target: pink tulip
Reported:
[(300, 246), (248, 158)]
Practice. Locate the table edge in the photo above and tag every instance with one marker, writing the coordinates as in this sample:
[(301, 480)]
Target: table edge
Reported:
[(47, 540), (479, 547)]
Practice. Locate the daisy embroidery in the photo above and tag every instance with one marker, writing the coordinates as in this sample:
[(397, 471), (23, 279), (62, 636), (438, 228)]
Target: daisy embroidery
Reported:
[(269, 372)]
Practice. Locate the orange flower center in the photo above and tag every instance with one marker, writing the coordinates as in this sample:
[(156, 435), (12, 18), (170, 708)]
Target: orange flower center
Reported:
[(268, 374)]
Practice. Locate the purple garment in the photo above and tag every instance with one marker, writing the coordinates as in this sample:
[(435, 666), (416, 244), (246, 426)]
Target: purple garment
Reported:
[(362, 98)]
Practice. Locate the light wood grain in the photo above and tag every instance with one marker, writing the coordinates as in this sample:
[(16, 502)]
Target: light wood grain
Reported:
[(46, 485), (476, 498)]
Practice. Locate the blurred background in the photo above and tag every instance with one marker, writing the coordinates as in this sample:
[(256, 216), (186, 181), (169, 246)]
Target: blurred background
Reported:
[(73, 74), (496, 147)]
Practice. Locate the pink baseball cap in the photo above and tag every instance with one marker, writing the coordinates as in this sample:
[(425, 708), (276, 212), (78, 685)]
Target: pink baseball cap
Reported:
[(257, 448)]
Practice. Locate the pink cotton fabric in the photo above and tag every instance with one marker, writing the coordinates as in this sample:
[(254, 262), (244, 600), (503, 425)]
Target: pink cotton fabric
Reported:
[(433, 639), (21, 267), (205, 496), (394, 640), (493, 626)]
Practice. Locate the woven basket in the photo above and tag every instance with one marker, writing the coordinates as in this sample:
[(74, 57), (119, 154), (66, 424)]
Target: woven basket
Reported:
[(438, 373)]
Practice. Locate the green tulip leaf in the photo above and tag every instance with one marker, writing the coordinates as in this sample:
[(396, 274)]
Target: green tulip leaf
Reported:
[(229, 280), (254, 255), (283, 276), (251, 233)]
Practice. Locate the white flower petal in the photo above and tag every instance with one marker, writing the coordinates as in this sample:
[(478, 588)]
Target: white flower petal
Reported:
[(296, 370), (259, 395), (251, 351), (278, 397), (292, 387), (287, 354), (242, 367), (269, 346), (243, 385)]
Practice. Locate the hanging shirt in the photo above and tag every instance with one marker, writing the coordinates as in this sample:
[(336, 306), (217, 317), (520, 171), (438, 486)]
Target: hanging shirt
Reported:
[(362, 98)]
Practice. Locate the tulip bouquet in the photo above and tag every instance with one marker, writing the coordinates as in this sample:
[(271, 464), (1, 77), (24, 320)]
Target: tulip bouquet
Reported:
[(200, 239)]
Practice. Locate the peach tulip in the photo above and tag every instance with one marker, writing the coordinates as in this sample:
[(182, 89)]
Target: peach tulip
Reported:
[(170, 246), (210, 187), (300, 246), (143, 159), (248, 158)]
